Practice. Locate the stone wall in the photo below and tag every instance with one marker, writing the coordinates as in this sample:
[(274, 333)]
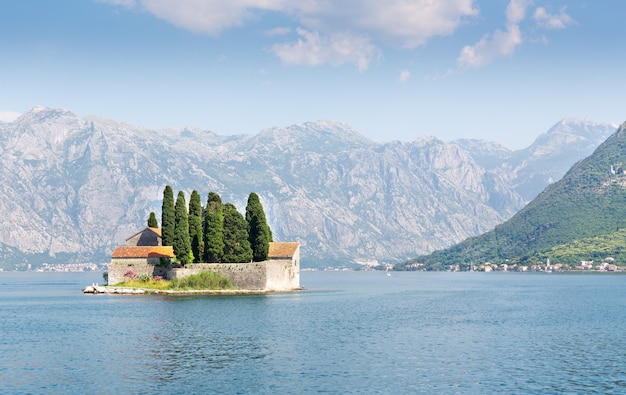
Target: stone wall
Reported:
[(273, 275), (282, 274), (243, 275), (140, 266)]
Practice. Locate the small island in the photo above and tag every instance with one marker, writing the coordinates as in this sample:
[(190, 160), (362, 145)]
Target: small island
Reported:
[(214, 247)]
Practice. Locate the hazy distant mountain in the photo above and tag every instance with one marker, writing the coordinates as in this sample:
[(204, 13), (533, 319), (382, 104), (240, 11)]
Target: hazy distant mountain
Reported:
[(74, 187), (529, 170), (580, 217)]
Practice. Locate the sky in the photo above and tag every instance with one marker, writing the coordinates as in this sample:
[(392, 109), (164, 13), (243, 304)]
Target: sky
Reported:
[(500, 70)]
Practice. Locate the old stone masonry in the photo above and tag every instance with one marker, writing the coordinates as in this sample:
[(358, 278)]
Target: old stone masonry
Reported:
[(144, 254)]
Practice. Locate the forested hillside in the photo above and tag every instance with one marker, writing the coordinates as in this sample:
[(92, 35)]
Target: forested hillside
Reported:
[(580, 217)]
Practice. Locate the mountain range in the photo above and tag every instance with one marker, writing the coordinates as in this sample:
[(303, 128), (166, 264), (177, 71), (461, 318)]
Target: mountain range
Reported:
[(74, 187), (581, 217)]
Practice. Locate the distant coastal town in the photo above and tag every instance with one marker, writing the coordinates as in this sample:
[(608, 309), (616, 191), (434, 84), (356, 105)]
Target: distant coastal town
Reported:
[(66, 267), (585, 266)]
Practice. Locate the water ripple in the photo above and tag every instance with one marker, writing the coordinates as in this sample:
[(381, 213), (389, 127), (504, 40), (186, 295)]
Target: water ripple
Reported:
[(349, 333)]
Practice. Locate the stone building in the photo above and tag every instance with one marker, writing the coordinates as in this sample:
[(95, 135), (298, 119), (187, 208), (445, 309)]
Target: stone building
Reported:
[(143, 254), (283, 267), (146, 237)]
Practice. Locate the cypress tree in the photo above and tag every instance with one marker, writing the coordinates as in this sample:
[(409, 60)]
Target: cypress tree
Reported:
[(213, 226), (167, 217), (152, 221), (236, 245), (195, 226), (259, 234), (181, 243)]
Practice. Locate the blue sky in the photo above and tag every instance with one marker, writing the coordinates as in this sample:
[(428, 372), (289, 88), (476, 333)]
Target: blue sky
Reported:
[(503, 70)]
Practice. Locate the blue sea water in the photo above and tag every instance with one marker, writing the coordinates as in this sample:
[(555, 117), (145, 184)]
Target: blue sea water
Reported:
[(348, 332)]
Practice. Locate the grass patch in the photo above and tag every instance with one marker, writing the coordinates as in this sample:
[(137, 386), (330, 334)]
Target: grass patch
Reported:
[(203, 280), (206, 280), (149, 284)]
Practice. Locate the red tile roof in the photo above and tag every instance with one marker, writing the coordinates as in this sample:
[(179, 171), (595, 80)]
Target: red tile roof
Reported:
[(143, 252), (283, 249)]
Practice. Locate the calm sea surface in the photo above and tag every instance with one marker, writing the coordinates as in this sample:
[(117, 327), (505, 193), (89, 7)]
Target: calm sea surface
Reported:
[(348, 332)]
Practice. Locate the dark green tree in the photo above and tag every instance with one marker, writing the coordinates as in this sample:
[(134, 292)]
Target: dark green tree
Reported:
[(195, 226), (182, 243), (259, 234), (168, 222), (213, 227), (236, 245), (152, 221)]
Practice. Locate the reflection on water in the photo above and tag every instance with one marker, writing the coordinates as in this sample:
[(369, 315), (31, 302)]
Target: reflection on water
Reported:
[(346, 333), (211, 351)]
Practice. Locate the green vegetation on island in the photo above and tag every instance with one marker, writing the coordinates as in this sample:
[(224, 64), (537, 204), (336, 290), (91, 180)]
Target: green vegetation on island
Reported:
[(217, 233), (195, 226), (152, 220), (181, 243), (213, 228), (260, 234), (236, 244), (167, 216), (205, 280), (582, 217)]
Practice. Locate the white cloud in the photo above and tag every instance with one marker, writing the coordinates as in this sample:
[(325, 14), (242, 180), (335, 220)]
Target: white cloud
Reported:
[(208, 16), (516, 11), (278, 31), (500, 43), (552, 21), (412, 21), (9, 116), (405, 75), (124, 3), (408, 23), (312, 49)]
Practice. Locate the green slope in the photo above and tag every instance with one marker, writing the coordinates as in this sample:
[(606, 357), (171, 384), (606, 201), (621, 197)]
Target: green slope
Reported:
[(587, 204)]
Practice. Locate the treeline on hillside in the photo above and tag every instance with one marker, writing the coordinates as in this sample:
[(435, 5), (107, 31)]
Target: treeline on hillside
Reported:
[(580, 217), (214, 233)]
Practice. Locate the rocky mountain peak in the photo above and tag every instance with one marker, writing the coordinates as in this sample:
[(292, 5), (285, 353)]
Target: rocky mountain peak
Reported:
[(50, 126), (569, 132), (320, 136), (74, 187)]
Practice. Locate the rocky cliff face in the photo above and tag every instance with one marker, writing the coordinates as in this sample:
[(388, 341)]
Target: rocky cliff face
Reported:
[(545, 161), (74, 187)]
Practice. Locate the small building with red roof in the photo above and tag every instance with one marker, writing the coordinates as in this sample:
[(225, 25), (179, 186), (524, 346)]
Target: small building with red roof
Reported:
[(144, 255)]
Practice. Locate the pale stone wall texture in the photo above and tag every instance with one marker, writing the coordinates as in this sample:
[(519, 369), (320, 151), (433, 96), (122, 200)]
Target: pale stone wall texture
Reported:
[(140, 266), (281, 275), (243, 275), (272, 275)]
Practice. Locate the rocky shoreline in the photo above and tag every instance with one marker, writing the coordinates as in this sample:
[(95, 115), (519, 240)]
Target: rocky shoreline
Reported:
[(112, 290)]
